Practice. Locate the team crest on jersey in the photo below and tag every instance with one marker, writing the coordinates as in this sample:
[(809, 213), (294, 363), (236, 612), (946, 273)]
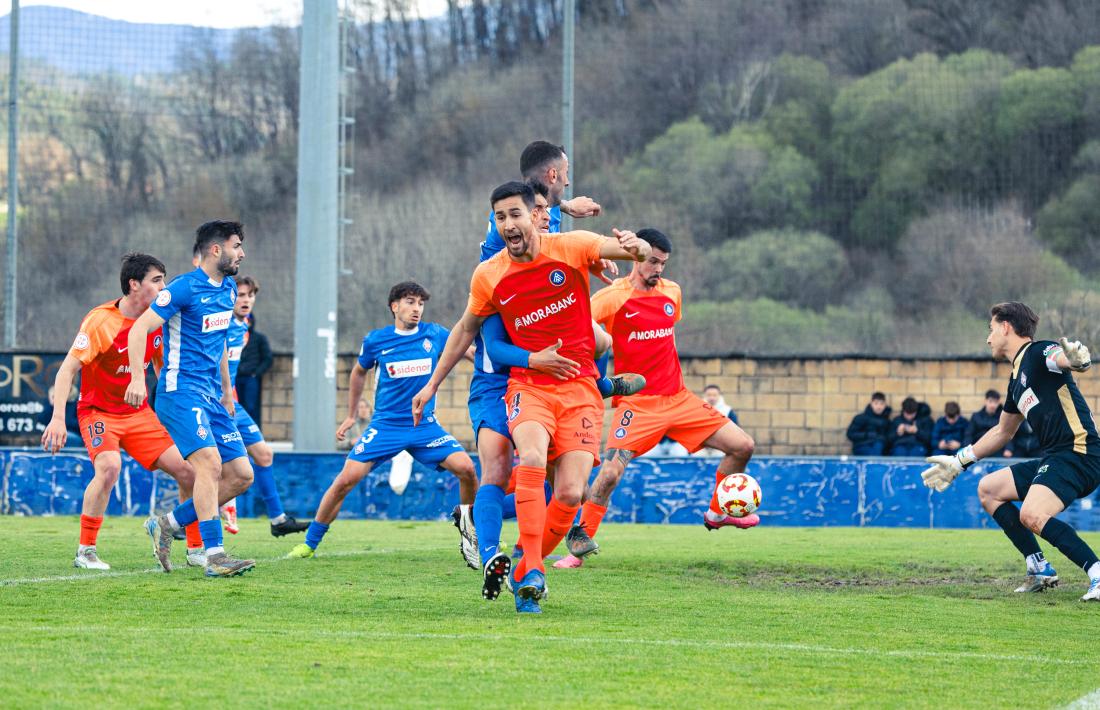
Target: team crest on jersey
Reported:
[(201, 431), (557, 277), (1043, 468), (359, 448), (232, 296), (669, 310), (97, 441), (82, 341), (620, 433), (1023, 379), (164, 298), (427, 345), (156, 342)]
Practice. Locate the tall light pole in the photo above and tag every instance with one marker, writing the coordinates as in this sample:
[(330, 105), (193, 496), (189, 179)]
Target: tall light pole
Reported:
[(11, 273), (569, 12)]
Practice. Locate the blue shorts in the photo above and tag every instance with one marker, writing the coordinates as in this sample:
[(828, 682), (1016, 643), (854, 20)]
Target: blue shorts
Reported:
[(250, 431), (428, 443), (488, 410), (198, 421)]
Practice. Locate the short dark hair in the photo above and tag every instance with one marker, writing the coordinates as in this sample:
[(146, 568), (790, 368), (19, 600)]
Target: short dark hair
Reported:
[(1022, 319), (993, 394), (879, 396), (538, 186), (513, 188), (249, 281), (136, 266), (537, 156), (216, 232), (713, 387), (909, 405), (951, 409), (656, 239), (407, 288)]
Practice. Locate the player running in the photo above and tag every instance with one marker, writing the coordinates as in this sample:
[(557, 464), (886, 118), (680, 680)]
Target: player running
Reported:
[(198, 307), (1041, 389), (405, 354), (539, 285), (108, 424), (641, 311)]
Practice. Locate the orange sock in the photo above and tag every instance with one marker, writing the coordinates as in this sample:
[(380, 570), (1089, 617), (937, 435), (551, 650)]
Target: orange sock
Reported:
[(89, 529), (194, 537), (718, 476), (591, 517), (531, 516), (559, 518)]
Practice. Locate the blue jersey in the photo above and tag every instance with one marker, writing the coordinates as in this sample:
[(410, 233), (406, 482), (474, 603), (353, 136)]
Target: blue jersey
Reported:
[(405, 362), (235, 340), (198, 311)]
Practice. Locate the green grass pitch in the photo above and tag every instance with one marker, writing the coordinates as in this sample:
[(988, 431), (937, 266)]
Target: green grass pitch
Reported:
[(665, 616)]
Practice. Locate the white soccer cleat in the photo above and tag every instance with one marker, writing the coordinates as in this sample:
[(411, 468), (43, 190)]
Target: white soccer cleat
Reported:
[(1093, 594), (196, 557), (88, 559)]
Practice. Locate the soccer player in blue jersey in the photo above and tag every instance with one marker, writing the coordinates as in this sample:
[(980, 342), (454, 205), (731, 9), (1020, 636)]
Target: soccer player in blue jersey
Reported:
[(196, 309), (404, 355)]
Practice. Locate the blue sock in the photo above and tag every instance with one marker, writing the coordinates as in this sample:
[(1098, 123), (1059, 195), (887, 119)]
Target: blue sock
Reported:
[(488, 516), (211, 531), (265, 481), (509, 505), (185, 513), (603, 382), (315, 533)]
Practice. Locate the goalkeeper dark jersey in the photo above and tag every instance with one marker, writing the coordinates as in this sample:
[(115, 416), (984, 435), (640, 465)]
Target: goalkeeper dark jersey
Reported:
[(1050, 401)]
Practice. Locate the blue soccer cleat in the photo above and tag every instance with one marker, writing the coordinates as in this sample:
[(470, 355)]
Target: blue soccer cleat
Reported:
[(529, 591), (1044, 579)]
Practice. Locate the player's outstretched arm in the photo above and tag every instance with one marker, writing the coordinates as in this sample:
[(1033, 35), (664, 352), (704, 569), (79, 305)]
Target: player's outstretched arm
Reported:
[(1074, 356), (139, 334), (946, 469), (356, 381), (581, 206), (624, 245), (53, 439), (462, 335)]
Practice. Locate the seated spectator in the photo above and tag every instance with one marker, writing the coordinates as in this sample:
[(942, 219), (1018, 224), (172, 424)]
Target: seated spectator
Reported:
[(985, 418), (1024, 444), (949, 431), (869, 431), (911, 431), (362, 419)]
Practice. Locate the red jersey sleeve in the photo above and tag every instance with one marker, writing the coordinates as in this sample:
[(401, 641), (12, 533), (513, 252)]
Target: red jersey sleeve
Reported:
[(482, 284), (607, 301)]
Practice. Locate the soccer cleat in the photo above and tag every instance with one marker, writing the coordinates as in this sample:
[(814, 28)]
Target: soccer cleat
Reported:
[(222, 565), (88, 559), (568, 562), (467, 545), (180, 534), (579, 543), (300, 551), (495, 574), (749, 521), (1093, 594), (196, 557), (529, 591), (626, 384), (1047, 578), (161, 533), (229, 519), (288, 526)]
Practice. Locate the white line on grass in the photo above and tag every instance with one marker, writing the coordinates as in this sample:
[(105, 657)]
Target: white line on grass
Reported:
[(91, 576), (594, 640), (1086, 702)]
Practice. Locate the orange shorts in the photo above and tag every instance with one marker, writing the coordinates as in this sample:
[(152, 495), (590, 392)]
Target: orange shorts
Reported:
[(571, 412), (642, 420), (139, 433)]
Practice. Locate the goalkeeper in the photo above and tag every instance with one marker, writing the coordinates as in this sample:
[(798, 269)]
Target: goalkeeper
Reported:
[(1040, 389)]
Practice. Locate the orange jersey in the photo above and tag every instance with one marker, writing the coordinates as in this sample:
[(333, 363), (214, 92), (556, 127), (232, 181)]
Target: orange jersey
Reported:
[(101, 346), (641, 326), (543, 300)]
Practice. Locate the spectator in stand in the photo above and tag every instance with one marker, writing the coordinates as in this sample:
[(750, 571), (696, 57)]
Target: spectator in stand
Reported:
[(362, 419), (712, 395), (985, 418), (949, 431), (870, 430), (256, 358), (911, 431)]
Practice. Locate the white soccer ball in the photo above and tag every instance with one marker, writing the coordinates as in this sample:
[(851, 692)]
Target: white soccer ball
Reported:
[(739, 495)]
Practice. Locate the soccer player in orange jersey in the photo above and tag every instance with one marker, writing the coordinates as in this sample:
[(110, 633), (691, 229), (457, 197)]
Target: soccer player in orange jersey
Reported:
[(640, 311), (539, 285), (107, 423)]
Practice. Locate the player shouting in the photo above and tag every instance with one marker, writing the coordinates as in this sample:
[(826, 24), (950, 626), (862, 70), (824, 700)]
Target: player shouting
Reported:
[(539, 285), (107, 423), (1040, 389)]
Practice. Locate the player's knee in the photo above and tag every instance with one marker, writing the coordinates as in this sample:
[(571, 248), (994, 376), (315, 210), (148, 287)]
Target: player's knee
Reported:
[(108, 472), (466, 471), (986, 491), (1033, 519), (569, 494), (743, 447), (262, 455), (533, 459)]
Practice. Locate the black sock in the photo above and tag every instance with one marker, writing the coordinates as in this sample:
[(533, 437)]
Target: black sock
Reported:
[(1069, 543), (1008, 517)]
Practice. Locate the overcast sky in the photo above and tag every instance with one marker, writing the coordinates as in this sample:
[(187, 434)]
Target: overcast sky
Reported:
[(204, 13)]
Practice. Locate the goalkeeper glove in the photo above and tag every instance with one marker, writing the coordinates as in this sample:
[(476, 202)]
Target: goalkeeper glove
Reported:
[(1077, 354), (947, 468)]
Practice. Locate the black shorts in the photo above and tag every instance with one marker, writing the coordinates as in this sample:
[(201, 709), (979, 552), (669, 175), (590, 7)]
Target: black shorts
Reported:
[(1068, 474)]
